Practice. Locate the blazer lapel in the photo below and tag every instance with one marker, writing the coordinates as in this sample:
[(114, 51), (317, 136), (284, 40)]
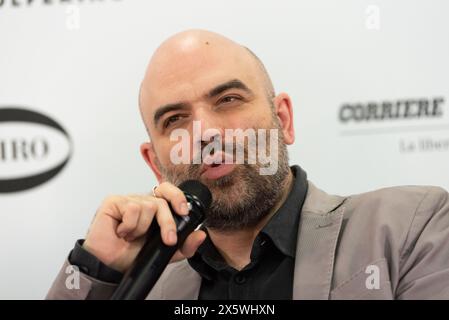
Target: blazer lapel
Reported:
[(178, 282), (319, 228)]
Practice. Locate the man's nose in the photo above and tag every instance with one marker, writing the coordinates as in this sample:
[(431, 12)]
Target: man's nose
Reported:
[(210, 125)]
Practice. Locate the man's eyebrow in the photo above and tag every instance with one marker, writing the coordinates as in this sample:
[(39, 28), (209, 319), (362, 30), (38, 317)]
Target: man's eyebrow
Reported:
[(167, 108), (232, 84)]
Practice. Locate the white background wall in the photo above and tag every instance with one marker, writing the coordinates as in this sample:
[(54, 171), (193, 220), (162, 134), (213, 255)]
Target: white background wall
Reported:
[(323, 53)]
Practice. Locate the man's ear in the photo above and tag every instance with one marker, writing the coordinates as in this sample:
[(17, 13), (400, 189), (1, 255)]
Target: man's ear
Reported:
[(148, 154), (284, 112)]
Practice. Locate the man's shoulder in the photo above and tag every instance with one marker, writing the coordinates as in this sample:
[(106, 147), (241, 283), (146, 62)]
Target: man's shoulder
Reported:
[(392, 228), (398, 200), (398, 213), (404, 190), (388, 200), (393, 217)]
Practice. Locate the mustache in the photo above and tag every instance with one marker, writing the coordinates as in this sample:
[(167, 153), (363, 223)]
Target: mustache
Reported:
[(181, 172), (230, 149), (194, 169)]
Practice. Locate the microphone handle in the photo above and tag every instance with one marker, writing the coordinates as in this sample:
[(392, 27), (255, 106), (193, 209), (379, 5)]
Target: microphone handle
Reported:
[(154, 256)]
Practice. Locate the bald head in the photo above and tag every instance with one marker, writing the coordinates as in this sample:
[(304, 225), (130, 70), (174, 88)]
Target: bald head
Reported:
[(191, 57), (199, 86)]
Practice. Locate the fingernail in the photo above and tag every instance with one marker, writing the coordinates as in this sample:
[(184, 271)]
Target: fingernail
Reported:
[(184, 208), (171, 236)]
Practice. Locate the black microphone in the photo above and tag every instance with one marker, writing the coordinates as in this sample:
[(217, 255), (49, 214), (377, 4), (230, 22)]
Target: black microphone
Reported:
[(154, 256)]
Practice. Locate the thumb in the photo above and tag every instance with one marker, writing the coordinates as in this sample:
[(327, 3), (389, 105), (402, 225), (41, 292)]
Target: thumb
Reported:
[(191, 244)]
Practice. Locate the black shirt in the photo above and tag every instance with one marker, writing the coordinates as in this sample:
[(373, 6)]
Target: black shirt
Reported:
[(269, 275)]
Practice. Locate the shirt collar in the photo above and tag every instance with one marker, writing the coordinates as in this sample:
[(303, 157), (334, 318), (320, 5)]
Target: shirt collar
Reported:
[(281, 229)]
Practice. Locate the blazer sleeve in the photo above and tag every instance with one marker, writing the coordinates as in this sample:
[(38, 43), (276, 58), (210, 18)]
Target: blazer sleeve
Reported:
[(424, 265), (72, 284)]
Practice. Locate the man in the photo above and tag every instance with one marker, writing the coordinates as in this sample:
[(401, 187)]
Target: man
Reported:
[(266, 236)]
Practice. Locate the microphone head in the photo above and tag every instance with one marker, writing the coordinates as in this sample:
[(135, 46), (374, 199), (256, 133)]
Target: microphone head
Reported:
[(199, 190)]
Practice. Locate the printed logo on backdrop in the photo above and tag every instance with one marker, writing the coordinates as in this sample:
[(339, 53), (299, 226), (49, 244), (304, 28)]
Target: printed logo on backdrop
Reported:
[(34, 148), (33, 3), (406, 109), (423, 117)]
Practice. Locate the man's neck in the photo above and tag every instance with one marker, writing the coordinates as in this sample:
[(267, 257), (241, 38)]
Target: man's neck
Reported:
[(235, 247)]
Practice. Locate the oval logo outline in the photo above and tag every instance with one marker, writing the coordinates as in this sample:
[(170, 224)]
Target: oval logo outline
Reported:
[(19, 114)]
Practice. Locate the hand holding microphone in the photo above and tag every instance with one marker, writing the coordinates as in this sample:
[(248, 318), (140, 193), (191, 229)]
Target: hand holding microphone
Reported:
[(155, 255), (118, 231)]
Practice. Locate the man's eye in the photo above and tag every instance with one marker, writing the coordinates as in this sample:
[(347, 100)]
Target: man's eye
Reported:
[(170, 120), (229, 99)]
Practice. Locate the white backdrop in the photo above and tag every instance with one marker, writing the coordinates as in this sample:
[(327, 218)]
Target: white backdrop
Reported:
[(81, 65)]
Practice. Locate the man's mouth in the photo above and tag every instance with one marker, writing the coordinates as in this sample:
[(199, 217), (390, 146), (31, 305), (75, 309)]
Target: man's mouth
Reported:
[(216, 166)]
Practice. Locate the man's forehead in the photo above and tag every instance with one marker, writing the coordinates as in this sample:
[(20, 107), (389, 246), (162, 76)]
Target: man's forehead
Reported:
[(189, 79), (194, 50), (194, 88), (189, 64)]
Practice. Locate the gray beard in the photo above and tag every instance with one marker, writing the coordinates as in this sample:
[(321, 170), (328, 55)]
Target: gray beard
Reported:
[(242, 198), (257, 200)]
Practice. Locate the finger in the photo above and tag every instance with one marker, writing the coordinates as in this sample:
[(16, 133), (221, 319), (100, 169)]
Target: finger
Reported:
[(177, 256), (166, 222), (130, 217), (114, 207), (174, 195), (148, 210), (192, 243)]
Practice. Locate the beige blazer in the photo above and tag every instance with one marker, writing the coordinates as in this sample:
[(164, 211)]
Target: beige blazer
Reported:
[(391, 243)]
